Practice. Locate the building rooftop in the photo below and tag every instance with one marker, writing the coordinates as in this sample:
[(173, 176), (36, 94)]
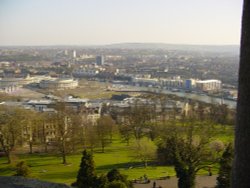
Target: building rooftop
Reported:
[(207, 81)]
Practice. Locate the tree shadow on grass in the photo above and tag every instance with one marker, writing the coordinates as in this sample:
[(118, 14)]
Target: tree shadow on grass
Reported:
[(35, 163), (107, 150), (7, 170), (129, 165), (54, 176), (5, 163)]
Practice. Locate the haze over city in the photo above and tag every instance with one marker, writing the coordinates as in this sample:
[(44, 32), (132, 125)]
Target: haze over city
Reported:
[(65, 22)]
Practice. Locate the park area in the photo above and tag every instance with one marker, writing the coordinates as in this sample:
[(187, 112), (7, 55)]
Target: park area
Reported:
[(118, 155)]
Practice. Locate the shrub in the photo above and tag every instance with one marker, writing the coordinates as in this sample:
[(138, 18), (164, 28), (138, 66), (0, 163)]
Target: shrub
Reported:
[(116, 184), (119, 179), (22, 169)]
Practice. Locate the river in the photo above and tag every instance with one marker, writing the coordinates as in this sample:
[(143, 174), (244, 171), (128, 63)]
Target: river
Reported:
[(194, 96)]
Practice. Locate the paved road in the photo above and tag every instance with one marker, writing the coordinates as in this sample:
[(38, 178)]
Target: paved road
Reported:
[(21, 182), (7, 186), (201, 182)]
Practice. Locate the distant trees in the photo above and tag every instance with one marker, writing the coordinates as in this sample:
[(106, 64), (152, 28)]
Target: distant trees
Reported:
[(11, 124), (92, 139), (32, 122), (216, 113), (104, 127), (62, 125), (137, 121), (67, 128), (20, 127), (64, 130), (221, 114), (75, 133), (46, 127), (126, 132)]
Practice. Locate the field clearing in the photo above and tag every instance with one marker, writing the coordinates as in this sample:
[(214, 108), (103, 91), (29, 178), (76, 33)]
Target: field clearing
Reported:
[(27, 94), (91, 90)]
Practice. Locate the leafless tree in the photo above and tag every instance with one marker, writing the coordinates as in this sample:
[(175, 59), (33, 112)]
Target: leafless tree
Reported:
[(10, 129)]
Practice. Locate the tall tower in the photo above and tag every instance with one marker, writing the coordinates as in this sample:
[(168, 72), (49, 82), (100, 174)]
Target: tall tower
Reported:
[(74, 54), (99, 60)]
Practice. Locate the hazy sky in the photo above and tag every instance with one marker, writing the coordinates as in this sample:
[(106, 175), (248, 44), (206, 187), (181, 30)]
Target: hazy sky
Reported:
[(85, 22)]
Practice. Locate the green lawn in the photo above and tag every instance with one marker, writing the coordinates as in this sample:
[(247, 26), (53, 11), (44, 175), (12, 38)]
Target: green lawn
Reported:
[(117, 155), (224, 133)]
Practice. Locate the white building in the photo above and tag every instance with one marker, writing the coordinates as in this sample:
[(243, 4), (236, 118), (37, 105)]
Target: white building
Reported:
[(145, 81), (4, 64), (208, 85), (82, 72), (74, 54), (176, 82)]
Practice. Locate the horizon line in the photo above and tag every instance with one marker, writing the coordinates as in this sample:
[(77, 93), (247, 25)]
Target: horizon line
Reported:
[(119, 43)]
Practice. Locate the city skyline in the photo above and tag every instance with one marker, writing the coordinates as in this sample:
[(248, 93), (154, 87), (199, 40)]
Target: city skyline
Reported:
[(107, 22)]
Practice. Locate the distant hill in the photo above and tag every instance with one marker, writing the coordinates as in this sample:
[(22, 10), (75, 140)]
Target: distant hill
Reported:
[(215, 48), (185, 47)]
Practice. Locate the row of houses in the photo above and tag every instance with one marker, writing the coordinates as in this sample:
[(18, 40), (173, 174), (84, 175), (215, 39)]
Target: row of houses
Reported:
[(156, 109), (92, 110), (89, 110)]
